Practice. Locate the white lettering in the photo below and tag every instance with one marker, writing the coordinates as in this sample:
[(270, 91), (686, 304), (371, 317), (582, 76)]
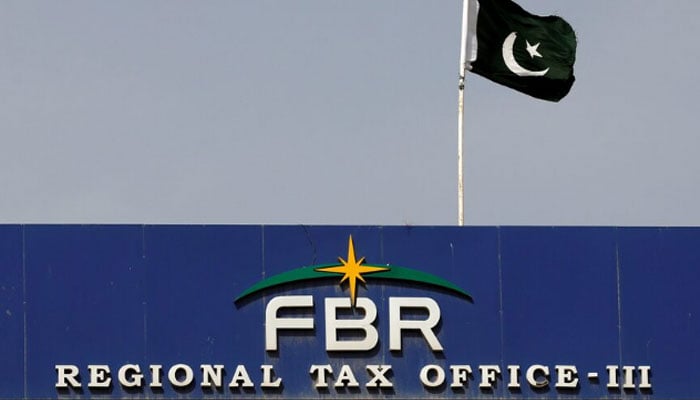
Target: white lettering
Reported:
[(268, 374), (241, 378), (460, 375), (513, 381), (612, 376), (378, 375), (99, 376), (130, 376), (566, 376), (67, 375), (628, 373), (333, 325), (532, 380), (321, 372), (212, 375), (185, 370), (273, 323), (396, 324), (644, 372), (379, 378), (436, 371), (346, 378), (155, 376), (488, 375)]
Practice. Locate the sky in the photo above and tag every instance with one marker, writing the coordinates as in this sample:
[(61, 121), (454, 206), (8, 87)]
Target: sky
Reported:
[(338, 112)]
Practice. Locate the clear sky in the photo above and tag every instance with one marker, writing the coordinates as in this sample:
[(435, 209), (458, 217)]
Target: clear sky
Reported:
[(338, 112)]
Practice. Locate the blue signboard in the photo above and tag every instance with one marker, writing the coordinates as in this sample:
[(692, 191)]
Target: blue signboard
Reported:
[(114, 311)]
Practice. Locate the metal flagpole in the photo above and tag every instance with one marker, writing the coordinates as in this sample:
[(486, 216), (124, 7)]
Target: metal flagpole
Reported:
[(460, 115)]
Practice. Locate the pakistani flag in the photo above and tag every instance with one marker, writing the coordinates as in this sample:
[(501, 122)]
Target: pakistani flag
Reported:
[(529, 53)]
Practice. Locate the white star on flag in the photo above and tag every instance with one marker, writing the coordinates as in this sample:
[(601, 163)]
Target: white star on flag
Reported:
[(533, 50)]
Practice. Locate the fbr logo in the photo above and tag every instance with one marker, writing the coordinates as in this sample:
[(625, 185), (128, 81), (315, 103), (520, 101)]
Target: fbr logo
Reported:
[(365, 335)]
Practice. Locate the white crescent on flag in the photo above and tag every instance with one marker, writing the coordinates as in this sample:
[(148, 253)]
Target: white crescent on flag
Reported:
[(512, 64)]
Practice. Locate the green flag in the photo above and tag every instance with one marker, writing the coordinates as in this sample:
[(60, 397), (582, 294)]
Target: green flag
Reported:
[(529, 53)]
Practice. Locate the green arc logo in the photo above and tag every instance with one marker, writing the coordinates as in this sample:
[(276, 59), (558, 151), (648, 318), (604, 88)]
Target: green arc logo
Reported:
[(352, 270)]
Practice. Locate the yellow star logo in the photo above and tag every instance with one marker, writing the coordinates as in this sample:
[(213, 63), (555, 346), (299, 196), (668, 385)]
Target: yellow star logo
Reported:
[(352, 270)]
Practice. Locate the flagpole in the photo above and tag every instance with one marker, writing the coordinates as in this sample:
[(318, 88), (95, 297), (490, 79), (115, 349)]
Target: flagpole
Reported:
[(460, 115)]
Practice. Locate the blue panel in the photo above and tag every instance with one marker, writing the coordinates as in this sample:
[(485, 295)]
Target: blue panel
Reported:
[(85, 296), (466, 331), (470, 329), (11, 313), (193, 275), (164, 295), (290, 247), (660, 275), (560, 303)]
